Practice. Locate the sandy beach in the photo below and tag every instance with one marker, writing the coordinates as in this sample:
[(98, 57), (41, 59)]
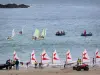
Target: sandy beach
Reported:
[(51, 71)]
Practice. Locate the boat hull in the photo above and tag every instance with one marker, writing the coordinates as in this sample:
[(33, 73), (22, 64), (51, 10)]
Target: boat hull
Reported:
[(37, 38), (59, 34), (90, 34), (5, 66)]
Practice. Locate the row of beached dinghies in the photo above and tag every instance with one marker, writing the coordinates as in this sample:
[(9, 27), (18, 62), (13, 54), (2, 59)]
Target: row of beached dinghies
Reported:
[(55, 60), (45, 59), (36, 35)]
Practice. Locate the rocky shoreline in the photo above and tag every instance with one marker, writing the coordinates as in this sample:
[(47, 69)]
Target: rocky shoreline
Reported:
[(14, 6)]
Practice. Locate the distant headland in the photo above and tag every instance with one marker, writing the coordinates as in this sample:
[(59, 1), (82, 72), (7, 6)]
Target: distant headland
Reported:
[(9, 5)]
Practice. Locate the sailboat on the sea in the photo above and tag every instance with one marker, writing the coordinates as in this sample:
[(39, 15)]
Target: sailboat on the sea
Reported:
[(36, 35), (13, 34), (39, 36), (43, 34), (21, 32)]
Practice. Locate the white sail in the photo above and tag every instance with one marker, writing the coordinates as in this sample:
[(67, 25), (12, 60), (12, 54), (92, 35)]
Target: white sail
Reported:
[(43, 34), (15, 57), (68, 57), (33, 58), (13, 33), (97, 53), (36, 33), (22, 30), (85, 57), (55, 58), (45, 59)]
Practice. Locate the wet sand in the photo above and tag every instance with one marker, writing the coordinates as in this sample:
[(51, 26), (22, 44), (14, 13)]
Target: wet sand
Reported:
[(51, 71)]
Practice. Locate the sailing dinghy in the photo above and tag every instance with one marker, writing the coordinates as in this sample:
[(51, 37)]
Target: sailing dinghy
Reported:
[(45, 59), (39, 36), (69, 60), (97, 56), (85, 57), (43, 34), (13, 34), (33, 58), (36, 35), (55, 59)]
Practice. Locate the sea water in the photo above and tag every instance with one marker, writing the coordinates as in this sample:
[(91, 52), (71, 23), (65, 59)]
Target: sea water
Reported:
[(54, 17)]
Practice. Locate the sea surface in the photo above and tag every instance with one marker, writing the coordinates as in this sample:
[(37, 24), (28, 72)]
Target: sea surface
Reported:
[(70, 18)]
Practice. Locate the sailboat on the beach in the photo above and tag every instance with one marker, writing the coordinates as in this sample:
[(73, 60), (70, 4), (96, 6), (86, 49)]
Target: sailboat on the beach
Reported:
[(85, 57), (33, 58), (45, 59), (36, 35), (15, 57), (97, 55), (69, 58), (43, 34), (55, 58)]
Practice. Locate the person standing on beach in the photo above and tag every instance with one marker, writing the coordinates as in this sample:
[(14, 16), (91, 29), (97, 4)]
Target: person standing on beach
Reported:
[(78, 61), (27, 65), (8, 63), (93, 61), (36, 64), (17, 64)]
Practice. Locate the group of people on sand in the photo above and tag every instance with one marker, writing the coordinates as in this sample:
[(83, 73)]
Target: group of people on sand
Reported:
[(79, 61), (36, 64), (12, 63), (60, 33)]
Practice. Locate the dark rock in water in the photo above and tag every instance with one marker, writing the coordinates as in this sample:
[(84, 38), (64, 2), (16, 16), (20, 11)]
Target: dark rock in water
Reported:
[(14, 6), (23, 6)]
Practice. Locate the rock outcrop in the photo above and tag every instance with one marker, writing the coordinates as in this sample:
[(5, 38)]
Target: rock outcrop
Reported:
[(14, 6)]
